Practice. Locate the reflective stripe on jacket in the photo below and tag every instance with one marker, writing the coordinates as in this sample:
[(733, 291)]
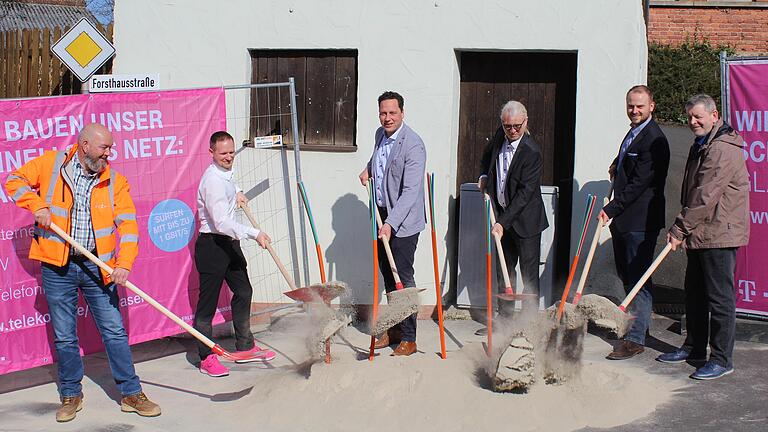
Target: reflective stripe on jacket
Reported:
[(46, 182)]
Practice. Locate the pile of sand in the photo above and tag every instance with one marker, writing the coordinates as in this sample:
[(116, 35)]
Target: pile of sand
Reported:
[(424, 392)]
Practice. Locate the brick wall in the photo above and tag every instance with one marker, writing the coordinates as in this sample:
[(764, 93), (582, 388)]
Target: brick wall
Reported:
[(745, 29)]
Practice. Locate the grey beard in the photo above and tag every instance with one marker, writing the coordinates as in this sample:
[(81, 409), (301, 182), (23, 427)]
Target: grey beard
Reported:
[(96, 165)]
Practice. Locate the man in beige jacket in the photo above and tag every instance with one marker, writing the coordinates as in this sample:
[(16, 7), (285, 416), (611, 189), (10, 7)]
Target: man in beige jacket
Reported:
[(712, 224)]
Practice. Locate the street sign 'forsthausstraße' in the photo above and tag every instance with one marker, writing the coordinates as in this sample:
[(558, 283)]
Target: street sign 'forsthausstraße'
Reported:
[(123, 83), (83, 49)]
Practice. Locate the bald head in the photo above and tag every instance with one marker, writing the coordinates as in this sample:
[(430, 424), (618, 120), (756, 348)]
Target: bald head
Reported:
[(94, 147), (94, 131)]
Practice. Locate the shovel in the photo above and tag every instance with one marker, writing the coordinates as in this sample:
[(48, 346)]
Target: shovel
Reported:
[(509, 294), (402, 302), (575, 263), (319, 252), (323, 292), (374, 265), (603, 313), (438, 291), (590, 255), (216, 348)]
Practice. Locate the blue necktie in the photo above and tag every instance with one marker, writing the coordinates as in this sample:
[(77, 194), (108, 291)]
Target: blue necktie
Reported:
[(624, 147)]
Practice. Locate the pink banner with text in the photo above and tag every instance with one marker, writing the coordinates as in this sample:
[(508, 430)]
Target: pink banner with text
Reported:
[(747, 93), (161, 146)]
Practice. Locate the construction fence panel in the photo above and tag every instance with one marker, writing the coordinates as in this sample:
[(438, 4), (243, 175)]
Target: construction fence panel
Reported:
[(268, 174)]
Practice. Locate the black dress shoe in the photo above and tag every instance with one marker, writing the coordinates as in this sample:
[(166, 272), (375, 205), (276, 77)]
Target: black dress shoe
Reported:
[(481, 331), (624, 350)]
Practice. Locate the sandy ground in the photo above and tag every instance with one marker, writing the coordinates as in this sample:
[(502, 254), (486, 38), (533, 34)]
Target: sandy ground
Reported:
[(351, 394)]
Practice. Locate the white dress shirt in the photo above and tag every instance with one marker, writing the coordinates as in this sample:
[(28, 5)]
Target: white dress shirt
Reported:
[(383, 149), (503, 162), (216, 202)]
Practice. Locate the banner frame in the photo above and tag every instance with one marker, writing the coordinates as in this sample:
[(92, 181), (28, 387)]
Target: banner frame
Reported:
[(725, 98)]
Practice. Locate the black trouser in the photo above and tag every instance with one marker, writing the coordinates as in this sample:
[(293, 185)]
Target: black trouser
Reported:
[(403, 252), (219, 258), (528, 252), (710, 304)]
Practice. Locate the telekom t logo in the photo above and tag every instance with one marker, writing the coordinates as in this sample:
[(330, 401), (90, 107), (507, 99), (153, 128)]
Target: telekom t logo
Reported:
[(747, 290)]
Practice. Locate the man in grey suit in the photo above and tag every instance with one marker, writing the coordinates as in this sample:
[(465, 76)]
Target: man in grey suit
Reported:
[(397, 167)]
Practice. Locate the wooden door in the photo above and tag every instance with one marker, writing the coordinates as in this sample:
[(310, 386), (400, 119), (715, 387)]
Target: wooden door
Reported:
[(545, 82)]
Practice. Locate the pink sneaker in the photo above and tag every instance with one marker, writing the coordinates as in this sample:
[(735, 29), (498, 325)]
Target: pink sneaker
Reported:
[(211, 366), (259, 355)]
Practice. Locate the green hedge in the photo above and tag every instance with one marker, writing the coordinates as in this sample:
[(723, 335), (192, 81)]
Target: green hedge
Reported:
[(675, 73)]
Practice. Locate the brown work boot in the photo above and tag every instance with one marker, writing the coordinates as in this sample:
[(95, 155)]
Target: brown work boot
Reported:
[(139, 404), (405, 349), (626, 349), (70, 405)]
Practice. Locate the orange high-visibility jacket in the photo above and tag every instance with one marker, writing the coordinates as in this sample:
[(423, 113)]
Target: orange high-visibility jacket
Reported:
[(46, 182)]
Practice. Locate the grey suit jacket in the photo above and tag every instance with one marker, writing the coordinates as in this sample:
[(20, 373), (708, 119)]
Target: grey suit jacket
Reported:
[(404, 182)]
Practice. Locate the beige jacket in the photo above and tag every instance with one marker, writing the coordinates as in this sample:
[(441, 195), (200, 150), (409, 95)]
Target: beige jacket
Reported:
[(715, 193)]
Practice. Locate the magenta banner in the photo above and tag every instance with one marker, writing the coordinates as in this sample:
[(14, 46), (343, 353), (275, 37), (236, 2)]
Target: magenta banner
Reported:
[(747, 96), (161, 146)]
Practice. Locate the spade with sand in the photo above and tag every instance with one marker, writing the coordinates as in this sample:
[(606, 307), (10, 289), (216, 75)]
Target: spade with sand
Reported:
[(509, 293), (402, 302), (590, 255), (604, 314), (557, 336), (593, 308), (329, 320), (216, 348)]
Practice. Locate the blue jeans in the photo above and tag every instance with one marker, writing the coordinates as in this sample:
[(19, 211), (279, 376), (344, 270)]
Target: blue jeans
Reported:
[(60, 285), (633, 254)]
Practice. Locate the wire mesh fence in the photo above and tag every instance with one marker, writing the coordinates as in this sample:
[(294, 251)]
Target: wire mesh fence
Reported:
[(262, 120)]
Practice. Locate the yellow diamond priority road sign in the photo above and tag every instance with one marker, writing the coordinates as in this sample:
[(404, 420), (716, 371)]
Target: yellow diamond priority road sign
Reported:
[(83, 49)]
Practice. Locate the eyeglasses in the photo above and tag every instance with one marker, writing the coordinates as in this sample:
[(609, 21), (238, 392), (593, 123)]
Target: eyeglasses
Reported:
[(517, 127)]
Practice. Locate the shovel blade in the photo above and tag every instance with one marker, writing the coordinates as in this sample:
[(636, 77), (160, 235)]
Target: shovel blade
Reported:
[(400, 305), (318, 293), (515, 297)]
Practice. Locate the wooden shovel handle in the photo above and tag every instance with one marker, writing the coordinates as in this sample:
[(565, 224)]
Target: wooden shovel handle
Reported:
[(104, 266), (590, 255), (645, 277), (499, 249), (387, 249), (271, 251)]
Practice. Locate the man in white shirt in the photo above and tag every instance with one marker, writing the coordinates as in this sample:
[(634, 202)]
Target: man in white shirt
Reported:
[(218, 256)]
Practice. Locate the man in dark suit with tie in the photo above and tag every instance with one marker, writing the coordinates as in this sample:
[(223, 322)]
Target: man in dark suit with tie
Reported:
[(511, 175), (638, 173)]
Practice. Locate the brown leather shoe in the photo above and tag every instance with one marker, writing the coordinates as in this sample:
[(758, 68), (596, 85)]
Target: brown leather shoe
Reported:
[(405, 349), (70, 405), (382, 342), (390, 337), (139, 404), (625, 350)]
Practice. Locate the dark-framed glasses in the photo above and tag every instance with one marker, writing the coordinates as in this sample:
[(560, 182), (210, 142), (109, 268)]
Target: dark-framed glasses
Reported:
[(517, 127)]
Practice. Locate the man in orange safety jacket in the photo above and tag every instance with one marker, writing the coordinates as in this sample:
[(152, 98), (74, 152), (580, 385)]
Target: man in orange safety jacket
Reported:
[(79, 192)]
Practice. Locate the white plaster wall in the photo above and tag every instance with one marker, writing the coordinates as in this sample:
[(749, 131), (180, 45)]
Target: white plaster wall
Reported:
[(407, 46)]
